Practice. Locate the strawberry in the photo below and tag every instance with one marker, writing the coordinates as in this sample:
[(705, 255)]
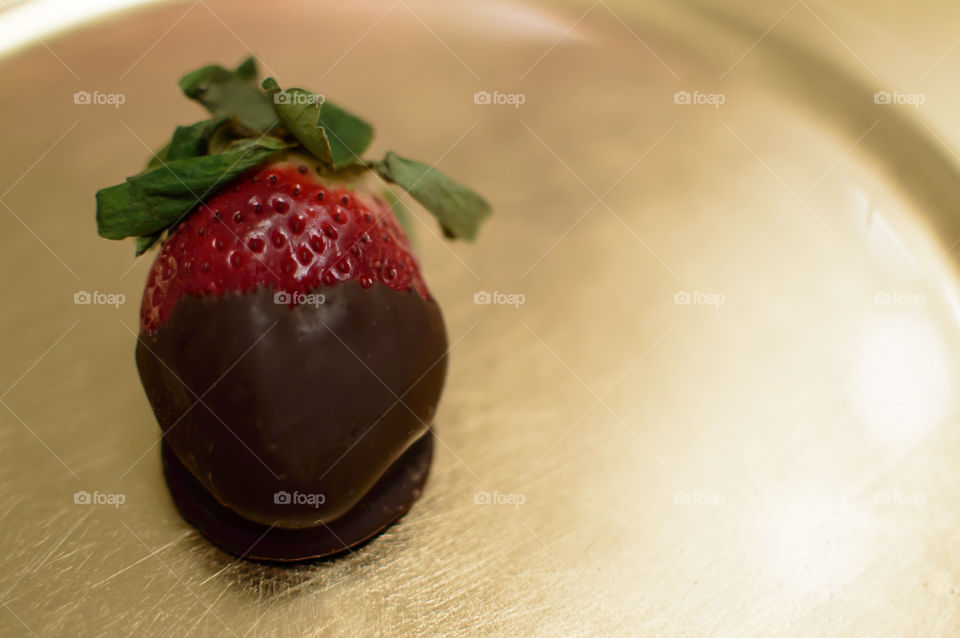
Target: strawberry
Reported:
[(289, 346)]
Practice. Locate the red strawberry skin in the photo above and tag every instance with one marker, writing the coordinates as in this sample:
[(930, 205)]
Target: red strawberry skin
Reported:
[(279, 226)]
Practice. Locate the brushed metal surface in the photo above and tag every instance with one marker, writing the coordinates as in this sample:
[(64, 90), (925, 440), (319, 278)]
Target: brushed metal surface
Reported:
[(716, 394)]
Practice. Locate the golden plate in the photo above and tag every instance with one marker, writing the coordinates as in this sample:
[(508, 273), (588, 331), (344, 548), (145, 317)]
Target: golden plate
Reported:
[(712, 393)]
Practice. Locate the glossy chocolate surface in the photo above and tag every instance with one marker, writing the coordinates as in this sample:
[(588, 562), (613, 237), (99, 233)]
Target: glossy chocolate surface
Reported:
[(257, 398), (389, 499)]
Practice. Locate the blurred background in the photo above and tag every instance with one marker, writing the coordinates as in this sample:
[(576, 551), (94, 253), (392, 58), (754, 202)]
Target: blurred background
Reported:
[(703, 356)]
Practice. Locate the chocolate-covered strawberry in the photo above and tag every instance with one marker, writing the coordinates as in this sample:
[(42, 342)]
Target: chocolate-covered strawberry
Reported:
[(289, 346)]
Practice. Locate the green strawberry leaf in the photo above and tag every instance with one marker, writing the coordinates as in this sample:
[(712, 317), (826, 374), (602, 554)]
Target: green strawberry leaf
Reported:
[(146, 242), (299, 113), (349, 136), (159, 197), (337, 137), (157, 158), (400, 210), (232, 94), (248, 70), (192, 140), (459, 210), (249, 125)]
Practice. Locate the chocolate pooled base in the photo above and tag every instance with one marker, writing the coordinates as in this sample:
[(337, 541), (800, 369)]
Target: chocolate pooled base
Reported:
[(308, 421), (383, 505)]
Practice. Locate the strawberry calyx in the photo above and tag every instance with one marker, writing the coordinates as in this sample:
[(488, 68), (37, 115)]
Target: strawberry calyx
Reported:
[(251, 125)]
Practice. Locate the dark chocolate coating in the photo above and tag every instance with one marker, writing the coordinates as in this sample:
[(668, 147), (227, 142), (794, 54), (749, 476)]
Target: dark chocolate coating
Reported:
[(389, 499), (301, 399)]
